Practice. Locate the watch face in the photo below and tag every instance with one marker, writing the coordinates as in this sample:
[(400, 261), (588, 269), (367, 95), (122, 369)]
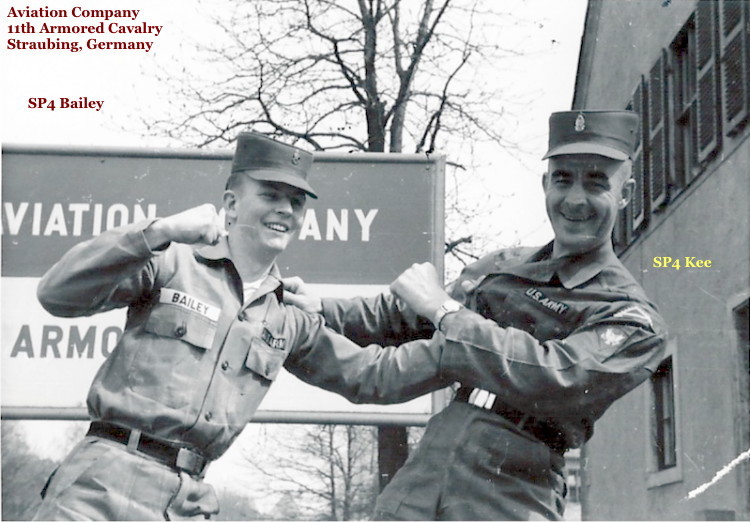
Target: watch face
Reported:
[(451, 306)]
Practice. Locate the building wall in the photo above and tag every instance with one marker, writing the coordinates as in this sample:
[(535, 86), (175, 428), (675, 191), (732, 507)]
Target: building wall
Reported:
[(709, 219)]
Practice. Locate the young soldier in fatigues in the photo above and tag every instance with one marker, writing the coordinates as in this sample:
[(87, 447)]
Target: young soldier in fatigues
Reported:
[(207, 332), (543, 341)]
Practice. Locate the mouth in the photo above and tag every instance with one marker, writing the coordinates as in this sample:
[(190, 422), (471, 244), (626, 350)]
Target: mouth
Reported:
[(576, 218), (277, 227)]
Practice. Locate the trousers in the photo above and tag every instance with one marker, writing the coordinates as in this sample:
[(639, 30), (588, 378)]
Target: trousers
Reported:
[(102, 480), (472, 464)]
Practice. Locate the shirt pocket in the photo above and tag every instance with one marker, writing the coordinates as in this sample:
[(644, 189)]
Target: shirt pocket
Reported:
[(523, 313), (172, 321), (265, 360)]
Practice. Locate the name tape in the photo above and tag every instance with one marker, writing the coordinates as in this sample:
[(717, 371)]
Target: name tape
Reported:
[(183, 300)]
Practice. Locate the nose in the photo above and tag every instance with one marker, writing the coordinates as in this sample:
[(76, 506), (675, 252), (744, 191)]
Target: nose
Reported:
[(575, 195), (284, 206)]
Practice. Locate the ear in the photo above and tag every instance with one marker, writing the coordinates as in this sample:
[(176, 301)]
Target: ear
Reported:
[(545, 179), (626, 193), (230, 203)]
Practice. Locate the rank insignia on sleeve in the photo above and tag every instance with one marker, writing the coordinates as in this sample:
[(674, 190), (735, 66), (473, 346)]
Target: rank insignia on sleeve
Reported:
[(277, 343), (637, 313)]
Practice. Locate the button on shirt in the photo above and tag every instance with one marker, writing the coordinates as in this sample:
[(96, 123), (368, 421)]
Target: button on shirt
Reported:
[(194, 361), (558, 339)]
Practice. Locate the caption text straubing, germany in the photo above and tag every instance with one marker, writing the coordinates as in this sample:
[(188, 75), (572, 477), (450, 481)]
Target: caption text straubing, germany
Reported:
[(78, 29)]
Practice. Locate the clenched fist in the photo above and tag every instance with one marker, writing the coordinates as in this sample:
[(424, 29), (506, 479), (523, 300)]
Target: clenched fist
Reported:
[(419, 287), (197, 225)]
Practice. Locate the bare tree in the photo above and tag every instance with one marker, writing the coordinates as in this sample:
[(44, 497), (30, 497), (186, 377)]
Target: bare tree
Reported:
[(329, 470), (355, 75), (369, 75), (23, 473)]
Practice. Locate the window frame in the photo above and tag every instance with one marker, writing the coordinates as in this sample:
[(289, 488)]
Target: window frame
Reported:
[(656, 475)]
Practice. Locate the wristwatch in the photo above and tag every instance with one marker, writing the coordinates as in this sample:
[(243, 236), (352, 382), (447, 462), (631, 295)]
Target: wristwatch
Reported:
[(448, 307)]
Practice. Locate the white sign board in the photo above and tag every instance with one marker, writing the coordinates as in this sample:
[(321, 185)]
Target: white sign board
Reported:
[(376, 215)]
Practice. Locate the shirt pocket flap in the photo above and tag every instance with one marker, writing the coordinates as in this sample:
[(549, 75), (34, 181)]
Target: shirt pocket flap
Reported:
[(264, 360), (171, 321)]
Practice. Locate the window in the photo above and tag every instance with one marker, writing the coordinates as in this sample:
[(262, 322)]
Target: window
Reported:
[(735, 63), (684, 101), (665, 427), (741, 317), (693, 100)]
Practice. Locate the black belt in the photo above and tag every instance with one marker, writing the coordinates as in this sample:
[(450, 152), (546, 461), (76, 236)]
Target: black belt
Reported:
[(546, 431), (175, 457)]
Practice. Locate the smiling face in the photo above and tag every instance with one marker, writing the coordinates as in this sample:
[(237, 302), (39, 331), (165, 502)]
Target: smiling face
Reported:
[(583, 193), (266, 214)]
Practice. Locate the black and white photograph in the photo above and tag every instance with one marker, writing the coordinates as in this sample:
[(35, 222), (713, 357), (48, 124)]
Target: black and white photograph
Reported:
[(375, 260)]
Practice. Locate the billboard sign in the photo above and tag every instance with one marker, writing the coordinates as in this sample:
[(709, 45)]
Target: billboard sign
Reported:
[(376, 215)]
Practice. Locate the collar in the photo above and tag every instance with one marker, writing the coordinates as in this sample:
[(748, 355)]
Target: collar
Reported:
[(220, 252), (572, 270)]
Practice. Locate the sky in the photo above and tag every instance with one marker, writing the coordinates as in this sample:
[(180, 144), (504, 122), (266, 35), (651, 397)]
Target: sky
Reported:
[(545, 71)]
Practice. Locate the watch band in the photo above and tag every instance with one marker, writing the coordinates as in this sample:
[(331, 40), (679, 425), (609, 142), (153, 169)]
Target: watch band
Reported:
[(448, 307)]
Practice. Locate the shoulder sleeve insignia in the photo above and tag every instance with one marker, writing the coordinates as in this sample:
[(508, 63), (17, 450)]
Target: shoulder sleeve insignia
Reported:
[(612, 336)]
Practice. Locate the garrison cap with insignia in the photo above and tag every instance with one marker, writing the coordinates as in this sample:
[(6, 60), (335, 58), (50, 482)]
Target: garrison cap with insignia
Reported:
[(264, 159), (612, 134)]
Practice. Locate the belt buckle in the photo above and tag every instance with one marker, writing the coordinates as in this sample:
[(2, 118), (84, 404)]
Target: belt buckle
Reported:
[(189, 461)]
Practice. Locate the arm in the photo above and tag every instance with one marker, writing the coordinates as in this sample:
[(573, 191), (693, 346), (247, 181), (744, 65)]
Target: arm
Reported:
[(599, 362), (590, 369), (381, 319), (115, 268), (370, 374)]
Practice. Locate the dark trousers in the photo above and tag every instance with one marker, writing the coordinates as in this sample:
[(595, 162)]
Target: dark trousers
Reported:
[(474, 465)]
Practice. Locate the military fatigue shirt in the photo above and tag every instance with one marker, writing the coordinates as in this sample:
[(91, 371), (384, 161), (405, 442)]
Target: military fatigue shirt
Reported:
[(197, 356), (558, 339)]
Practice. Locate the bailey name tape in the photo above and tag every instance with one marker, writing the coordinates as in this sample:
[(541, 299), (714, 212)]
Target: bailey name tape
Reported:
[(183, 300)]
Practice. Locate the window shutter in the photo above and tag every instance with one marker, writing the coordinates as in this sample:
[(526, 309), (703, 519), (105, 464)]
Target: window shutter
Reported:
[(638, 203), (658, 145), (707, 118), (622, 234), (735, 64)]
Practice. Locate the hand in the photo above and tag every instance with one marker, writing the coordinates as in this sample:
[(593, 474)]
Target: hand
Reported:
[(197, 225), (419, 287), (297, 293)]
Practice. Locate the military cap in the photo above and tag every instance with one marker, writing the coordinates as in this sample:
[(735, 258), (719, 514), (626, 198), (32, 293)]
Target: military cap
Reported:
[(264, 159), (612, 134)]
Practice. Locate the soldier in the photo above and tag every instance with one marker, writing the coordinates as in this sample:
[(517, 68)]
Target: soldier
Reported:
[(207, 333), (542, 341)]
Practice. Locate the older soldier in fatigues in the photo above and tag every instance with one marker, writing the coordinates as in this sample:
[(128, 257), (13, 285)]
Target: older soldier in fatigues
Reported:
[(207, 333), (542, 341)]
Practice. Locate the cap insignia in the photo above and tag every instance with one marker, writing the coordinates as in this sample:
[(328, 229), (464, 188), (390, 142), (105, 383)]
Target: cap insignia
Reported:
[(580, 123), (296, 158)]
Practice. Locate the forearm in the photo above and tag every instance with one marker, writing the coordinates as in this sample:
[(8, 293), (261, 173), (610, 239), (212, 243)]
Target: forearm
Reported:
[(370, 374), (555, 377), (379, 320)]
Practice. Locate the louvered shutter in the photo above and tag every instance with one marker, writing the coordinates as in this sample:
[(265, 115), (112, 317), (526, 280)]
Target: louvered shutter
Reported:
[(708, 100), (735, 63), (622, 234), (658, 142), (638, 202)]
